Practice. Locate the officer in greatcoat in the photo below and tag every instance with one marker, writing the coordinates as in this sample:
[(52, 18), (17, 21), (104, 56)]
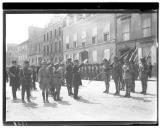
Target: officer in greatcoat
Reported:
[(58, 80), (69, 76), (116, 75), (14, 78), (26, 81), (106, 74), (76, 78), (127, 76), (143, 74), (44, 78)]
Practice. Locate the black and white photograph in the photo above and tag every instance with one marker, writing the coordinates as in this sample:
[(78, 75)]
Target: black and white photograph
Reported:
[(93, 65)]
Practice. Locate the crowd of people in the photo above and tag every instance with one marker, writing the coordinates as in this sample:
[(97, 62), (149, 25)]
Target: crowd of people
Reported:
[(52, 76)]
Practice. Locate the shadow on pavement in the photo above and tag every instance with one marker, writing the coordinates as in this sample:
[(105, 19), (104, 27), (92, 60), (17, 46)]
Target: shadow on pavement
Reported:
[(54, 105), (17, 101), (63, 102), (31, 105), (81, 99), (147, 94)]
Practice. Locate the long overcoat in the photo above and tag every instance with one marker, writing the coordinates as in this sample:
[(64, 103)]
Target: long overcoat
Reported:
[(14, 76), (44, 78), (76, 76), (58, 78)]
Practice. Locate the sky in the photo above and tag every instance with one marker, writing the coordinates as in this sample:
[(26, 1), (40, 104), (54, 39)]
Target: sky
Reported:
[(17, 25)]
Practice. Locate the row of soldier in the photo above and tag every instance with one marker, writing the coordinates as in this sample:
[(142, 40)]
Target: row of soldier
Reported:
[(51, 77)]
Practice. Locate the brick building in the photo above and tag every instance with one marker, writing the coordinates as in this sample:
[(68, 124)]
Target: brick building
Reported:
[(88, 36)]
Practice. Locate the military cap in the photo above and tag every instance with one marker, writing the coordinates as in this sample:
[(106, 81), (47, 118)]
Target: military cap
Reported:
[(76, 61)]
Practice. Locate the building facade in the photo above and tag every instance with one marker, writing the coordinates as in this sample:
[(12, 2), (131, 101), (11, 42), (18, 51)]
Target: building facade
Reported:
[(35, 43), (88, 36), (11, 54), (53, 41), (23, 52), (140, 30)]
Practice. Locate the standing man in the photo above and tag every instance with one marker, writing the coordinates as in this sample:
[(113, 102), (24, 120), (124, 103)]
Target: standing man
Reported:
[(127, 76), (14, 79), (69, 76), (116, 72), (143, 75), (58, 79), (26, 81), (76, 78), (44, 78), (106, 74)]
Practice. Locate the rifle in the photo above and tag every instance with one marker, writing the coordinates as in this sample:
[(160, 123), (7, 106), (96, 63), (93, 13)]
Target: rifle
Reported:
[(133, 54), (148, 56)]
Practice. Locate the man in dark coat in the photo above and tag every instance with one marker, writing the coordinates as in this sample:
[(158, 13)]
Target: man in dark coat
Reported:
[(26, 81), (76, 78), (116, 74), (106, 74), (14, 78), (69, 76), (143, 75)]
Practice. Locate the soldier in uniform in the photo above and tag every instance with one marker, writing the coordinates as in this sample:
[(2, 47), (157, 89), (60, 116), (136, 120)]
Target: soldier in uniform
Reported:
[(26, 80), (44, 78), (116, 70), (143, 74), (106, 74), (127, 76), (69, 76), (14, 79), (58, 79), (76, 78)]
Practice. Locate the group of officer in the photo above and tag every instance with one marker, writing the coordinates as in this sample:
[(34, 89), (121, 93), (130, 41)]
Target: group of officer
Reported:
[(124, 73), (51, 76)]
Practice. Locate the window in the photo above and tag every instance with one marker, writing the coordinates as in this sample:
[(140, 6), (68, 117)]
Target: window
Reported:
[(83, 44), (59, 46), (44, 37), (94, 56), (94, 35), (126, 29), (47, 50), (47, 36), (67, 42), (107, 54), (51, 34), (75, 40), (107, 32), (84, 38), (59, 31), (56, 47), (146, 27), (55, 32), (51, 48)]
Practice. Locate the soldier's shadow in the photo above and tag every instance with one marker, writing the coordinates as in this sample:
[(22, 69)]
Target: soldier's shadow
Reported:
[(17, 101), (81, 99), (139, 98), (63, 102), (54, 105), (31, 105)]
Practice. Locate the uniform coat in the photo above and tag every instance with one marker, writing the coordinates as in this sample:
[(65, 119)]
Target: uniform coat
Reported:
[(44, 78)]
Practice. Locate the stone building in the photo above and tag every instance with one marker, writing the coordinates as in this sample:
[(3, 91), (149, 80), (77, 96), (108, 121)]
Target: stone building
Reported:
[(11, 54), (53, 40), (35, 39), (88, 36), (22, 52)]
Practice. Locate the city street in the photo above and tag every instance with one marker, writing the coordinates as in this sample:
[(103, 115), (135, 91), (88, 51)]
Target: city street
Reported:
[(93, 105)]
